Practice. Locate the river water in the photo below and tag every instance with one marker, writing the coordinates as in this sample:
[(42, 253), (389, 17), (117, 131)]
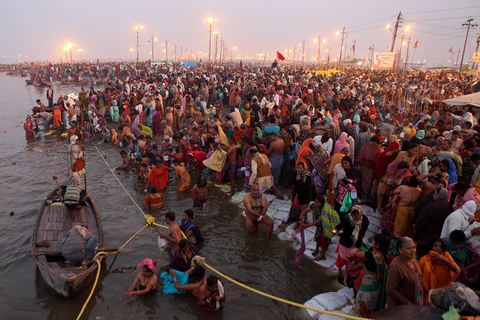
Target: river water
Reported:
[(26, 170)]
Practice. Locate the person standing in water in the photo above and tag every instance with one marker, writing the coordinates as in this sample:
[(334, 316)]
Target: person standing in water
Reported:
[(256, 207)]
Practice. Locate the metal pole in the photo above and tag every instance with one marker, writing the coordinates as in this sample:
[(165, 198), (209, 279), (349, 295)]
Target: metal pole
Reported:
[(400, 53), (318, 53), (166, 51), (209, 42), (406, 59), (216, 45), (137, 46), (303, 52), (341, 46), (153, 52)]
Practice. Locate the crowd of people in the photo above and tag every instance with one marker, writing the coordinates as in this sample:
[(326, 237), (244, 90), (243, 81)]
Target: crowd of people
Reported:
[(336, 143)]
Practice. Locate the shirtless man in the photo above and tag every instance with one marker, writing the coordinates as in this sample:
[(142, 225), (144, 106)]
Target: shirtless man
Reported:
[(174, 233), (199, 194), (275, 154), (232, 163), (457, 143), (409, 195), (255, 208), (210, 293), (127, 162)]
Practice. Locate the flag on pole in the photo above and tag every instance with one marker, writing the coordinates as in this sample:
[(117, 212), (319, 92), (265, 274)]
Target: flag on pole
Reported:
[(415, 45), (353, 48), (451, 50), (280, 56)]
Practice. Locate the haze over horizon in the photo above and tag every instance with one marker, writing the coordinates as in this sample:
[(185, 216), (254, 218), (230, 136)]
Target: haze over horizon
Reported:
[(38, 31)]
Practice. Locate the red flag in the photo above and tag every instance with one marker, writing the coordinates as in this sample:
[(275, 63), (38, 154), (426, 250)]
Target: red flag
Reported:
[(451, 50), (280, 56), (353, 49), (415, 45)]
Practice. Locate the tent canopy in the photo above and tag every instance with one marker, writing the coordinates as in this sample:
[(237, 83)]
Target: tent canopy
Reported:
[(473, 99)]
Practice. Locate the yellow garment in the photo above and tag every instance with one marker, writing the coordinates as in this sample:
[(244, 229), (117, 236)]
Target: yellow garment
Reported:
[(184, 178), (216, 161), (222, 137), (436, 274), (403, 226)]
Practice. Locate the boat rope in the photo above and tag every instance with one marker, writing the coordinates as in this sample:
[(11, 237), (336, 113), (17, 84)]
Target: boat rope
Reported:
[(97, 261), (93, 289), (151, 222), (119, 182)]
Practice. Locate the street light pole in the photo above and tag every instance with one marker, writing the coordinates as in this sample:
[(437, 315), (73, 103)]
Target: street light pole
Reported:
[(406, 58), (210, 22), (216, 45), (137, 29), (152, 40)]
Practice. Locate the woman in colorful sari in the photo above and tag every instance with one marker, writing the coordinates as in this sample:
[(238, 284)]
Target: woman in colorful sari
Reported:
[(114, 112), (28, 127), (447, 166), (149, 113), (384, 159), (182, 176), (438, 267), (182, 258), (385, 198), (341, 143), (156, 123), (158, 176), (304, 153), (336, 159), (371, 296), (189, 228)]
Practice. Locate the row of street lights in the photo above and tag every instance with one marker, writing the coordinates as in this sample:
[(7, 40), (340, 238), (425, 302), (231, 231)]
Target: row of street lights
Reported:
[(68, 47)]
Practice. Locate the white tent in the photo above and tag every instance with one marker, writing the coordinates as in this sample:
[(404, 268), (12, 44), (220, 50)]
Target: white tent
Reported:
[(473, 99)]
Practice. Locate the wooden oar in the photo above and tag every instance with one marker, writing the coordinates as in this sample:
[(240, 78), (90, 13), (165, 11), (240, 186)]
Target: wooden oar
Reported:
[(59, 253)]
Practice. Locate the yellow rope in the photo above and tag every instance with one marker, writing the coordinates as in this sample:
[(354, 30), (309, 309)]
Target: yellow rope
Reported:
[(299, 305), (126, 191), (95, 258), (151, 222), (93, 289)]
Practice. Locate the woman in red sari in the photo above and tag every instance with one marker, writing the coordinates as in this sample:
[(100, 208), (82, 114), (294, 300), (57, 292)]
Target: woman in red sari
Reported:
[(383, 160), (158, 176), (28, 127)]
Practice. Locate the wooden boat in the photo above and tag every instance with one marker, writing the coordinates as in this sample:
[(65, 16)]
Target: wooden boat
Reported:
[(53, 222)]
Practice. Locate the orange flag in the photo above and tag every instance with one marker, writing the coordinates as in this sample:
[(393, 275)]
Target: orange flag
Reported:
[(416, 44)]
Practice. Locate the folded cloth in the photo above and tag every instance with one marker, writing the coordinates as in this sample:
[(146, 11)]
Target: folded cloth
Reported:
[(169, 286)]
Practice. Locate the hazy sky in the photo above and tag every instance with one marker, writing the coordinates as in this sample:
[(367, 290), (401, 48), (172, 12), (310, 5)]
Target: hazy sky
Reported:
[(104, 29)]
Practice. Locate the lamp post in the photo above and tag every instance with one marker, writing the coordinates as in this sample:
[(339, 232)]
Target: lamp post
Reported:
[(66, 57), (131, 54), (137, 29), (80, 51), (152, 40), (215, 37), (341, 45), (319, 40), (69, 47), (210, 22)]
